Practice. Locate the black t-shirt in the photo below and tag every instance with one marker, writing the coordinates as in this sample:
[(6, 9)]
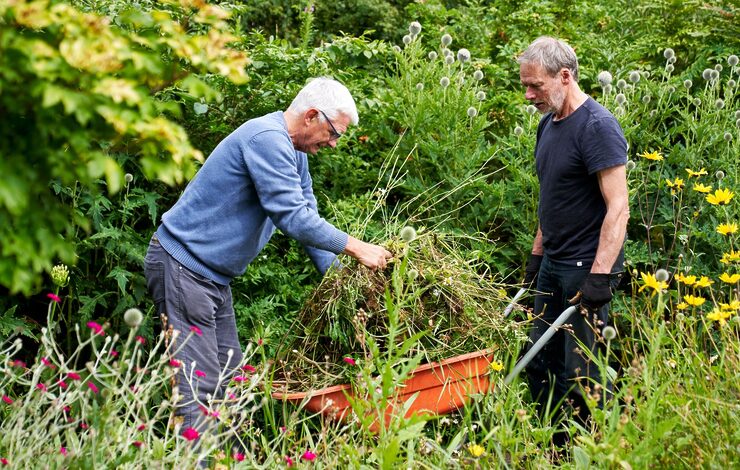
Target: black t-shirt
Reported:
[(568, 154)]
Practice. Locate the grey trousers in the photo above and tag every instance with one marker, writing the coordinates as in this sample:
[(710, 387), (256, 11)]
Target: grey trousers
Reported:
[(208, 345)]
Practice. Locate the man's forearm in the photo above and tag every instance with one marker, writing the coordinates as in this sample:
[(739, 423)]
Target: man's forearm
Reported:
[(611, 239)]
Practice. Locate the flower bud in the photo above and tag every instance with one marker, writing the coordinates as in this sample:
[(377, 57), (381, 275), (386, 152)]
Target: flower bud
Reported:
[(446, 40), (133, 317), (662, 275), (518, 131), (444, 81), (732, 60), (415, 28), (478, 75), (472, 112), (668, 53), (432, 55), (609, 333), (634, 76), (60, 275), (463, 55), (408, 233), (687, 84)]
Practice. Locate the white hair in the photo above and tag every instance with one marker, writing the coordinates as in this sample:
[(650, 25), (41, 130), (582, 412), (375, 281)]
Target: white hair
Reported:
[(552, 55), (327, 95)]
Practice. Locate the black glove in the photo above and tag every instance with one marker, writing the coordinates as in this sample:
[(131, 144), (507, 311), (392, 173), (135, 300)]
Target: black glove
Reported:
[(595, 291), (531, 270)]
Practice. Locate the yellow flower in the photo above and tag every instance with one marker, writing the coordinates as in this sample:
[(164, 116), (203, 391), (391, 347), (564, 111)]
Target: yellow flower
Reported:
[(727, 229), (734, 305), (693, 300), (729, 278), (675, 184), (497, 366), (701, 188), (720, 196), (693, 173), (476, 450), (730, 257), (704, 282), (649, 281), (652, 155), (682, 306), (719, 316), (688, 280)]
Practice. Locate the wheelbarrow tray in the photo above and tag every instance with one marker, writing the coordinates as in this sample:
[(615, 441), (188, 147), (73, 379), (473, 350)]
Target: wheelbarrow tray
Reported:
[(440, 387)]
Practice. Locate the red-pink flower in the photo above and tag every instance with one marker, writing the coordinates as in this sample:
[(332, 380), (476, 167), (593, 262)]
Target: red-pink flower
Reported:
[(260, 342), (41, 387), (19, 363), (283, 429), (7, 400), (113, 353), (67, 409), (63, 451), (47, 363), (196, 330), (238, 456), (349, 361), (200, 373), (239, 378), (54, 297), (190, 434), (249, 368), (141, 427), (92, 387), (289, 461), (4, 461), (175, 363), (141, 339), (232, 396), (97, 329), (73, 376), (308, 455), (137, 444), (62, 384), (84, 425)]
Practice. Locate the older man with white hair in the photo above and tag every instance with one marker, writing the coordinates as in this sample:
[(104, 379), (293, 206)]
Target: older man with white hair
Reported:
[(254, 181)]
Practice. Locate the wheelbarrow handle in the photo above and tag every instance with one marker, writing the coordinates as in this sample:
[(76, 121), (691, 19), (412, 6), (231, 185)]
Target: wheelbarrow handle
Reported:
[(539, 344), (511, 305)]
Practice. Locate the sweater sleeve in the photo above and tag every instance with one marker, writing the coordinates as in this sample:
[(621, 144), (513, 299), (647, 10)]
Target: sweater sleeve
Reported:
[(273, 166)]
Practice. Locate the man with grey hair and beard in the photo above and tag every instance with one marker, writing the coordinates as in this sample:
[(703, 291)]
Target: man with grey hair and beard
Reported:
[(255, 181), (577, 253)]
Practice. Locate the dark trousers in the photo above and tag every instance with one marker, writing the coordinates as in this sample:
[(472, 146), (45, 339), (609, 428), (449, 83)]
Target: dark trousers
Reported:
[(562, 368)]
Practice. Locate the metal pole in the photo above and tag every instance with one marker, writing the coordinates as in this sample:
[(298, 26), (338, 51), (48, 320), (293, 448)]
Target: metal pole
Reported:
[(510, 307)]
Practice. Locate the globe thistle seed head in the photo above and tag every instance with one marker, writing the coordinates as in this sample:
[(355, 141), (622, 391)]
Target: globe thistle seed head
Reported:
[(531, 109), (688, 84), (609, 333), (732, 60), (669, 68), (60, 275), (518, 131), (714, 74), (621, 84), (408, 234), (419, 86), (446, 40), (128, 177), (719, 104), (720, 175), (480, 96), (728, 137), (608, 88), (446, 52), (668, 53), (620, 98), (731, 83), (634, 76), (449, 60), (407, 39), (630, 165), (671, 89), (472, 112), (718, 67), (461, 79), (415, 28), (697, 102), (620, 111), (133, 317), (444, 81), (652, 113), (478, 75), (396, 49), (671, 60), (432, 55), (604, 78), (737, 114), (662, 275), (413, 274), (707, 74), (646, 99), (463, 55)]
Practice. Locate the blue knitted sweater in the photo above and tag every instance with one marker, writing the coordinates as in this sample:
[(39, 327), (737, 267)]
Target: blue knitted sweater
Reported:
[(253, 182)]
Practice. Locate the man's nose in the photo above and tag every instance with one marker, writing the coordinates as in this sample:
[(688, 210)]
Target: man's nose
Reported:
[(529, 94)]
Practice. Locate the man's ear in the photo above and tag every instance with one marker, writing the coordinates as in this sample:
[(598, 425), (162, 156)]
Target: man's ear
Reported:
[(565, 76), (310, 114)]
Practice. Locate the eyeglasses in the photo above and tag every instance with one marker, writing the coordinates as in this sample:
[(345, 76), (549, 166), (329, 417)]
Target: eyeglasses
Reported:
[(333, 133)]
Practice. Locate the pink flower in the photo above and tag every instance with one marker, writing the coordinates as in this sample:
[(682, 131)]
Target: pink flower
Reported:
[(113, 353), (41, 387), (7, 400), (137, 444), (92, 387), (141, 427), (196, 330), (289, 461), (141, 339), (47, 363), (84, 425), (62, 384), (260, 342), (63, 451), (175, 363), (203, 410), (283, 429), (73, 376), (19, 363), (54, 297), (238, 456), (215, 414), (249, 368), (66, 409), (239, 378), (308, 455), (200, 373), (4, 461), (190, 434), (350, 361), (232, 396), (97, 329)]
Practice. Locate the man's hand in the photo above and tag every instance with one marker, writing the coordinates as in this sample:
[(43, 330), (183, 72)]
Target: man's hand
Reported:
[(595, 291), (531, 270), (372, 256)]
